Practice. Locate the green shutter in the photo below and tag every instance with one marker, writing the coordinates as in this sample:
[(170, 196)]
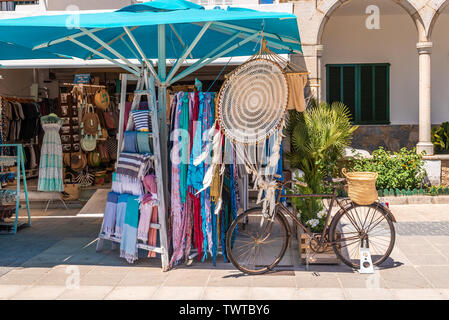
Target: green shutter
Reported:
[(349, 89), (382, 95), (333, 84), (364, 88)]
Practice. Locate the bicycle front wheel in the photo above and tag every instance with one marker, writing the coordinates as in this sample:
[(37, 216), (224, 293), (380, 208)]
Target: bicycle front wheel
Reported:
[(362, 223), (256, 245)]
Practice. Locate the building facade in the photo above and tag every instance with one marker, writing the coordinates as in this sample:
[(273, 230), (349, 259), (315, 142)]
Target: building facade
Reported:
[(387, 59)]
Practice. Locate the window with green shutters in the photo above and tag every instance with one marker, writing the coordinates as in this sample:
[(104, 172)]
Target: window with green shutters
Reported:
[(364, 88)]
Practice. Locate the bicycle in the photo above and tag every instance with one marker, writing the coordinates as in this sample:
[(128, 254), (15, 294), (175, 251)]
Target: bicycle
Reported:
[(255, 245)]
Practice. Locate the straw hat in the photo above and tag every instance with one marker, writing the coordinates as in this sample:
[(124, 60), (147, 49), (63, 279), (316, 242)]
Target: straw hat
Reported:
[(77, 161)]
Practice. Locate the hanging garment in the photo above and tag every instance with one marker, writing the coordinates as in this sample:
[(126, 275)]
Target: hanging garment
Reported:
[(207, 123), (148, 214), (33, 160), (128, 244), (195, 176), (50, 168), (31, 121), (185, 145), (146, 209), (296, 85), (110, 214), (177, 206)]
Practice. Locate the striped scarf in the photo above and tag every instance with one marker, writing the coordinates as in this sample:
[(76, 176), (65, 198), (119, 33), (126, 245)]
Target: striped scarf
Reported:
[(133, 165)]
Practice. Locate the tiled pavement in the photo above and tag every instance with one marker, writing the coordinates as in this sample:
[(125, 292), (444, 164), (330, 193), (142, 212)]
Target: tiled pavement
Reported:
[(56, 259)]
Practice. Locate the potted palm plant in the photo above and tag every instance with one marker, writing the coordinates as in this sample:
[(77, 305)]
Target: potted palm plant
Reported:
[(318, 137)]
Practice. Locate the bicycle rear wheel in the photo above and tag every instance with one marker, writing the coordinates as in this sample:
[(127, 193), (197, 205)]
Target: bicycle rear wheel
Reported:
[(349, 227), (256, 245)]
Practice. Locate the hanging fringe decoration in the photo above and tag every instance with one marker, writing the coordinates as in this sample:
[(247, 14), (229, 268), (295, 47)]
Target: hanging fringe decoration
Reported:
[(216, 160)]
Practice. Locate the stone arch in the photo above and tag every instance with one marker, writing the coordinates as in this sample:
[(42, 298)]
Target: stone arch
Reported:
[(326, 8), (438, 7)]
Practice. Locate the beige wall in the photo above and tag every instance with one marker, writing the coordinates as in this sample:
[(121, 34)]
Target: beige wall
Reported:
[(440, 70), (16, 82), (347, 40), (87, 4)]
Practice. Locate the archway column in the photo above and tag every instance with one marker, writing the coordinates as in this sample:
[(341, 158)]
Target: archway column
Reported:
[(424, 143), (319, 70)]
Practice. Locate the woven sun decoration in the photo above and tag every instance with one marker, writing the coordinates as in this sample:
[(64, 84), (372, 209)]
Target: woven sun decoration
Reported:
[(251, 109)]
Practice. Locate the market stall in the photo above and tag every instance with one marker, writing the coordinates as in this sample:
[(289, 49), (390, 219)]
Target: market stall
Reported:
[(179, 30)]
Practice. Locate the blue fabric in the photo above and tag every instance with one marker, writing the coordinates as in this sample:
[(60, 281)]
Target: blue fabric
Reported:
[(214, 234), (143, 142), (9, 51), (157, 6), (196, 173), (128, 244), (187, 21), (120, 214), (130, 142)]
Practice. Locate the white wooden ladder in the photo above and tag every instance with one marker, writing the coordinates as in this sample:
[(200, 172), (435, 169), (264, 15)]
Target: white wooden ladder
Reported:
[(145, 87)]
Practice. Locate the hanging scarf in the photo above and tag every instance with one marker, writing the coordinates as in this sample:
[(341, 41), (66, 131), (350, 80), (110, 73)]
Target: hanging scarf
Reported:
[(194, 176), (184, 145), (128, 244), (177, 205)]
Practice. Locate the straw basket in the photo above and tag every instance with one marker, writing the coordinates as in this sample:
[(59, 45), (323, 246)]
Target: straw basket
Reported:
[(361, 186), (71, 188)]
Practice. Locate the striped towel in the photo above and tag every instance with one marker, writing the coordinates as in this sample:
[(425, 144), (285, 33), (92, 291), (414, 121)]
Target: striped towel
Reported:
[(110, 214), (133, 165), (141, 119), (120, 214)]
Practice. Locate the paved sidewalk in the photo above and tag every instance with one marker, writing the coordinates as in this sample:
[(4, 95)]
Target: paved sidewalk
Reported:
[(56, 259)]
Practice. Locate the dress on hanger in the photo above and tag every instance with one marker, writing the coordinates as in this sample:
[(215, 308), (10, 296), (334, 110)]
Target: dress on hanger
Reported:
[(50, 168)]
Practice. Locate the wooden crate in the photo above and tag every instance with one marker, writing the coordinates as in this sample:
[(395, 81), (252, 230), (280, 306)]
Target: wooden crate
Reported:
[(327, 257)]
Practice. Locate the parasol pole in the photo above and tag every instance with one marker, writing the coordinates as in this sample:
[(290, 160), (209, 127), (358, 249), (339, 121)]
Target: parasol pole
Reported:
[(162, 109)]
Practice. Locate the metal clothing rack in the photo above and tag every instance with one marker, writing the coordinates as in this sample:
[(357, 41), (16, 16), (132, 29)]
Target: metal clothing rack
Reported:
[(11, 228)]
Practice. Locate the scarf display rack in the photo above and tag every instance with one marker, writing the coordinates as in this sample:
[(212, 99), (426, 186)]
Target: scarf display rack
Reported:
[(11, 196), (124, 221), (198, 219)]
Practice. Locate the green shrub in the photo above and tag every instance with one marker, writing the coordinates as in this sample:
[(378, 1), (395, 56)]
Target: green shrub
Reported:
[(440, 138), (318, 138), (398, 170)]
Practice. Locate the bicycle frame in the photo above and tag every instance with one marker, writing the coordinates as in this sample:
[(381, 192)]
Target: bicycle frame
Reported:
[(280, 207)]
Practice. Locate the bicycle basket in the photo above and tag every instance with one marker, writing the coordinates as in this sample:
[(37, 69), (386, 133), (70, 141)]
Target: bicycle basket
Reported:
[(361, 186)]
